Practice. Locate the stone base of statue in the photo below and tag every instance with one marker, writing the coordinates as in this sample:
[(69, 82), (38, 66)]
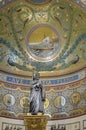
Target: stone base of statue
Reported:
[(35, 122)]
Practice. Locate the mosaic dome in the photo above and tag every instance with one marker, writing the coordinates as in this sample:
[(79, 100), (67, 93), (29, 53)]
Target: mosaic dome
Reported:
[(42, 35)]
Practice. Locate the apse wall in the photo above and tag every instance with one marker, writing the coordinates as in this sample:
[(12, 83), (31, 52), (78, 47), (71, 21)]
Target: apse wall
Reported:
[(65, 95), (49, 37), (65, 100)]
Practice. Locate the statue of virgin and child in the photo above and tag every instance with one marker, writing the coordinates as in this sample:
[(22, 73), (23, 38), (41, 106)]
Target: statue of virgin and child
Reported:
[(37, 95)]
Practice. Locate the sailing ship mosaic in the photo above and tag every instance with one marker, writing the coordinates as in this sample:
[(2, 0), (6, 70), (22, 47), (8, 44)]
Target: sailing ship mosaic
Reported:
[(46, 42)]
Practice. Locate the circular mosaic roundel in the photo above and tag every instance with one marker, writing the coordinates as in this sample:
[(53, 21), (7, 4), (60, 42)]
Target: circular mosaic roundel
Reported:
[(75, 98), (43, 42), (24, 102), (9, 100), (59, 101)]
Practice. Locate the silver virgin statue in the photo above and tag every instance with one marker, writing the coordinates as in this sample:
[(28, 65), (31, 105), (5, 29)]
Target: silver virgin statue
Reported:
[(37, 96)]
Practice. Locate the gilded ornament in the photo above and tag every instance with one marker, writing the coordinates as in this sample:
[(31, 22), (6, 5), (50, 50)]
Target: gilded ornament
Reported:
[(9, 100), (46, 104), (25, 102), (75, 98), (59, 101)]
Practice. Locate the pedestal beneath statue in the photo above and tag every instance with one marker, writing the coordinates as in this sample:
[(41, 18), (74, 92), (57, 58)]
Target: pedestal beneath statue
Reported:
[(35, 122)]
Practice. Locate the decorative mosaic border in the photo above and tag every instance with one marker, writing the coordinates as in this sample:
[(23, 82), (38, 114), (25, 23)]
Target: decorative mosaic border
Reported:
[(46, 82)]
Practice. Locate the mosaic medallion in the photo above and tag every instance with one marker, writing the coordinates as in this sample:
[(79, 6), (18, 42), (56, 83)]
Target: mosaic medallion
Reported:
[(24, 102), (59, 101), (9, 100), (43, 42), (75, 98)]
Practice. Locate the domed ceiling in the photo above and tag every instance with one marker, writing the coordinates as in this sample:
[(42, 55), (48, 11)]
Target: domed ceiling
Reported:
[(48, 36)]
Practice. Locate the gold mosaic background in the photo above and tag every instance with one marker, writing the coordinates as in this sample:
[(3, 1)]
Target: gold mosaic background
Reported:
[(23, 28)]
